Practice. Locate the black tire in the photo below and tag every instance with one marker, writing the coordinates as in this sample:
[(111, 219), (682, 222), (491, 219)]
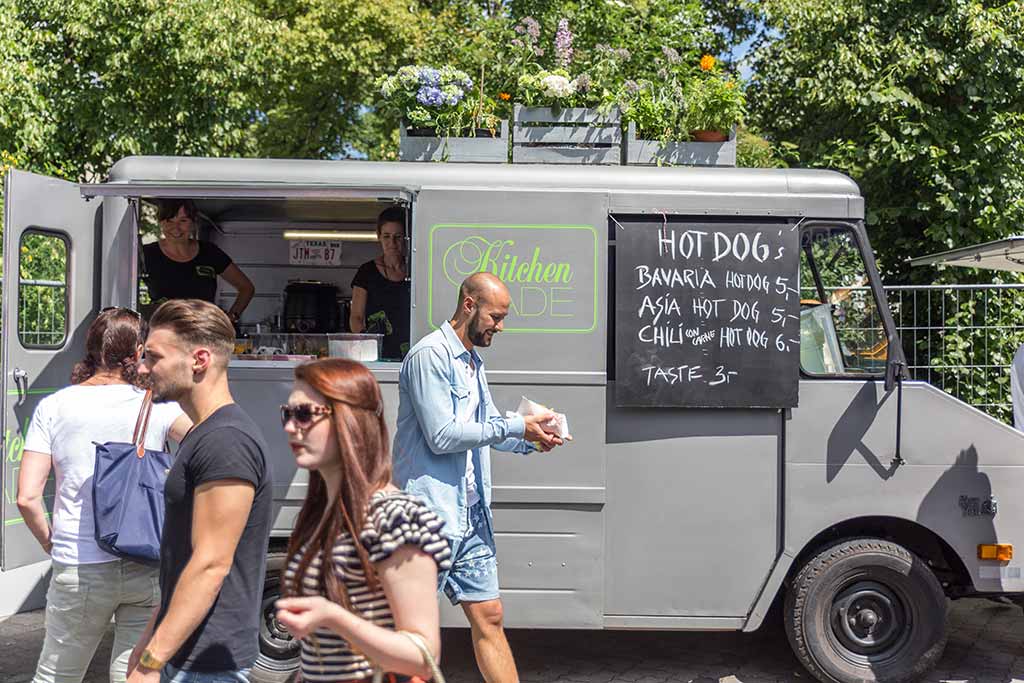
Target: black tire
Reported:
[(279, 652), (866, 610)]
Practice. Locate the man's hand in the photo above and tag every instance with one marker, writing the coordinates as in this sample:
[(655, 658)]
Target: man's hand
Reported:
[(140, 675), (536, 434), (302, 616)]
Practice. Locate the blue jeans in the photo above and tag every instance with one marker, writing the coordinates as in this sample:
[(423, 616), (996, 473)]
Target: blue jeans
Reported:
[(473, 576), (171, 675)]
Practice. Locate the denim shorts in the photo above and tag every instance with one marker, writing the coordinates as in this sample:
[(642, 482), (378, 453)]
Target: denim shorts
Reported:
[(171, 675), (473, 576)]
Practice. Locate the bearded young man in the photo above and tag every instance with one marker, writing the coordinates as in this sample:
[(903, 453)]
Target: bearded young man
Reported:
[(447, 423), (218, 509)]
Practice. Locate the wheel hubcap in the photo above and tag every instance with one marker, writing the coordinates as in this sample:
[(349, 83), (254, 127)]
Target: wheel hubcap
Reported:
[(868, 618)]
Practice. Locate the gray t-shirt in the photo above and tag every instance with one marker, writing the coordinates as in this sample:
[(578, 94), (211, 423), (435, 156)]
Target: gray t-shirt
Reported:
[(1017, 388)]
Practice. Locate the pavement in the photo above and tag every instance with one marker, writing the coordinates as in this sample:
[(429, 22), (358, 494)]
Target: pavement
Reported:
[(986, 645)]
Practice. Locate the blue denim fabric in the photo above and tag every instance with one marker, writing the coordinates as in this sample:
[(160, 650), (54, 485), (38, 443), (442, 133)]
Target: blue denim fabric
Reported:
[(473, 575), (430, 441), (171, 675)]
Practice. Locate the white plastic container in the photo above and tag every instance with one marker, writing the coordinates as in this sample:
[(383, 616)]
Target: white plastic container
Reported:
[(365, 348)]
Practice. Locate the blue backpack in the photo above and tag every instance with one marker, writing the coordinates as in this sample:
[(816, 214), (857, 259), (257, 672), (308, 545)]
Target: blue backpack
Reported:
[(128, 494)]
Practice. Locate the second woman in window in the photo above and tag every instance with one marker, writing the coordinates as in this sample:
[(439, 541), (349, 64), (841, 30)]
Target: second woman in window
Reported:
[(380, 292), (364, 556)]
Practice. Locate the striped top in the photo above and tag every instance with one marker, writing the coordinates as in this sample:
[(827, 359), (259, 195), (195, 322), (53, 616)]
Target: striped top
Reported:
[(395, 518)]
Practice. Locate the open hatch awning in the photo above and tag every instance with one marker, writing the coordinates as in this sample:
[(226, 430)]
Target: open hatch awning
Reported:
[(1005, 254), (153, 189)]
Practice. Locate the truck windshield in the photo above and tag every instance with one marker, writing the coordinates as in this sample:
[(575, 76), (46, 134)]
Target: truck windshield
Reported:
[(841, 332)]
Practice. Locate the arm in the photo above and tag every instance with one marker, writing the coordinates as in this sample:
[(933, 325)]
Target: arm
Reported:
[(429, 388), (357, 313), (220, 512), (179, 428), (409, 580), (35, 468), (237, 279)]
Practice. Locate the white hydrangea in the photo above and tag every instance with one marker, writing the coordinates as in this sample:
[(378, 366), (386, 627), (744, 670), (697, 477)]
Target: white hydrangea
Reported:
[(557, 86)]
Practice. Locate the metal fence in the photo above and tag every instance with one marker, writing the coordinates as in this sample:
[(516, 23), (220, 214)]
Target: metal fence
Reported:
[(959, 338)]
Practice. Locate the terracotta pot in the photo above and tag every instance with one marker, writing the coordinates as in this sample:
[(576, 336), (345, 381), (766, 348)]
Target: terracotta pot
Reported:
[(709, 136)]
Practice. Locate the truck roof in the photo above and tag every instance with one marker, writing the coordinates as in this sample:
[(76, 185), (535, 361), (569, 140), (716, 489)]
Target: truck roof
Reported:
[(416, 175)]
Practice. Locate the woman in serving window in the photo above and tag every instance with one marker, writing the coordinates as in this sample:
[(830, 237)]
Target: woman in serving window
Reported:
[(380, 291), (178, 266)]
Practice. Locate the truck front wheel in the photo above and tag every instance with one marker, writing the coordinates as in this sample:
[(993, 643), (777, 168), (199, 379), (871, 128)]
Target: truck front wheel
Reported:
[(866, 610), (279, 652)]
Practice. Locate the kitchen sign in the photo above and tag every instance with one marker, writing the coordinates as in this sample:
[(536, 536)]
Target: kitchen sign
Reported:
[(314, 253), (550, 271)]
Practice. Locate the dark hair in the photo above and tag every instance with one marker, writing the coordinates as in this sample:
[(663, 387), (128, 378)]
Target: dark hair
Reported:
[(167, 209), (111, 343), (197, 323), (392, 214), (357, 414)]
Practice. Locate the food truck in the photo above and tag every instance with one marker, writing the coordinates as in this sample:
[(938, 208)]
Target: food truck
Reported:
[(745, 435)]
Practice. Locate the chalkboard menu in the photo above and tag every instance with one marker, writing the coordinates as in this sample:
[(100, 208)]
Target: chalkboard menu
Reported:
[(706, 314)]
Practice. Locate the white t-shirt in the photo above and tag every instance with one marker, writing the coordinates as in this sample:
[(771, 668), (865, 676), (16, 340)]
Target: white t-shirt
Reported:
[(65, 425), (468, 414), (1017, 388)]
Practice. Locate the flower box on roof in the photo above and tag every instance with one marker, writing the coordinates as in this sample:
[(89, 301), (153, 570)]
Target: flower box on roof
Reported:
[(485, 147), (641, 152), (566, 136)]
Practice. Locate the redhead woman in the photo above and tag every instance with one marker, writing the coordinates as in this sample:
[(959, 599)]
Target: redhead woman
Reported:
[(367, 553)]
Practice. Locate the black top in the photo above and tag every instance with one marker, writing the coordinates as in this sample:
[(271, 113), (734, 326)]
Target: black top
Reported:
[(226, 445), (387, 309), (195, 279)]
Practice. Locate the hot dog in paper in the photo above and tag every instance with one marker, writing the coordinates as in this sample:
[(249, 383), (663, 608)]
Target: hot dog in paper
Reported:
[(558, 425)]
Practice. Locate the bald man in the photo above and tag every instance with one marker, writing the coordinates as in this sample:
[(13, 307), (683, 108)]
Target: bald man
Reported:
[(447, 423)]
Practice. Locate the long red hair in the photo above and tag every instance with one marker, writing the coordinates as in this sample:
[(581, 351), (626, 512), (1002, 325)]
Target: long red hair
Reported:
[(357, 418)]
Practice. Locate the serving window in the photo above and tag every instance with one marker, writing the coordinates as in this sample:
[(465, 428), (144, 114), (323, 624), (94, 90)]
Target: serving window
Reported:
[(303, 257)]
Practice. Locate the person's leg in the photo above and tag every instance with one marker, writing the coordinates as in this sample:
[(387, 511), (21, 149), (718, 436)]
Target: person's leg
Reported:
[(140, 586), (472, 582), (78, 611), (493, 654)]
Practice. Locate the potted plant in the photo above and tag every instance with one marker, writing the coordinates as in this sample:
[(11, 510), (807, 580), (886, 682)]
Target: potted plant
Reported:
[(443, 117), (562, 114), (715, 103), (685, 117)]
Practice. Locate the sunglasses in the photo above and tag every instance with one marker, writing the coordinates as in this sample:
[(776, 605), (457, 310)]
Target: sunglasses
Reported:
[(121, 309), (304, 414)]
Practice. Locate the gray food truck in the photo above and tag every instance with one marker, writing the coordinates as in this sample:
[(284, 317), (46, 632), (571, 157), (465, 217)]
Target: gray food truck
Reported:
[(743, 434)]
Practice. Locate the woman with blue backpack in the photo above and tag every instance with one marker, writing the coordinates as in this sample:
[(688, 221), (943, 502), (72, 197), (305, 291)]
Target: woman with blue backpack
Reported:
[(105, 404)]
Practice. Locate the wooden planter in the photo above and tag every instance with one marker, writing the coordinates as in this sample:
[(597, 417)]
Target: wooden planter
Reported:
[(656, 153), (477, 150), (541, 135)]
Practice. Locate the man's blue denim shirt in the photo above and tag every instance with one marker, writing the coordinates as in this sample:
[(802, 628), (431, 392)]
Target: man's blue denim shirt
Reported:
[(430, 441)]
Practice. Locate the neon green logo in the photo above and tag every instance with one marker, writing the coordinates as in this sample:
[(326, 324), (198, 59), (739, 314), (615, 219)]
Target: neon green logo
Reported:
[(476, 254), (550, 271)]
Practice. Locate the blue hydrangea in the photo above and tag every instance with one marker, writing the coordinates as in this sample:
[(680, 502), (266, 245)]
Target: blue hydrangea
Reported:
[(430, 77), (430, 96)]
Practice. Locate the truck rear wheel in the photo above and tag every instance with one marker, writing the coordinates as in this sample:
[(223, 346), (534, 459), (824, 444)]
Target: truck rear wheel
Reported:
[(866, 610), (279, 652)]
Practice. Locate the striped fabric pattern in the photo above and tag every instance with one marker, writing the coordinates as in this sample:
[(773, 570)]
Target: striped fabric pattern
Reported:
[(394, 519)]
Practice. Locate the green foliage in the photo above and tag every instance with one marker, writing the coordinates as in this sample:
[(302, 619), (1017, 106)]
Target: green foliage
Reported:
[(753, 151), (714, 101), (87, 82), (921, 102)]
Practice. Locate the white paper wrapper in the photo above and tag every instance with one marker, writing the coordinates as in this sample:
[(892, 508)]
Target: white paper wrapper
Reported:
[(559, 425)]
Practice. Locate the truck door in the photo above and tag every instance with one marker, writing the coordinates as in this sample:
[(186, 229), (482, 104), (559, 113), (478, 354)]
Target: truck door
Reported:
[(50, 293)]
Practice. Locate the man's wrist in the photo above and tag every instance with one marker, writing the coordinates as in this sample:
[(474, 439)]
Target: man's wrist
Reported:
[(147, 660), (516, 426)]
